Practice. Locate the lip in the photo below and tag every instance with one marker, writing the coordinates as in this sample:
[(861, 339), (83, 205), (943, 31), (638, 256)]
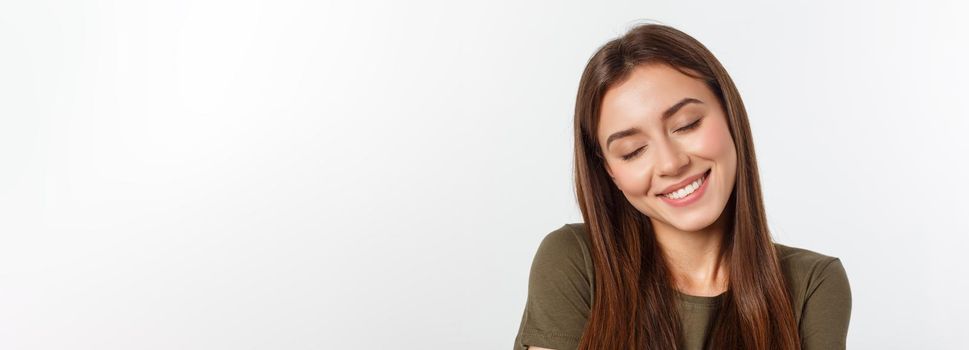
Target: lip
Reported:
[(680, 184), (693, 197)]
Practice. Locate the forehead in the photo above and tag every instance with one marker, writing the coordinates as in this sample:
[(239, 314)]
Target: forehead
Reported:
[(648, 90)]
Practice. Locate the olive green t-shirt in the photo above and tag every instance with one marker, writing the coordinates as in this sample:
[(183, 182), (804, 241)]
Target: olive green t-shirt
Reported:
[(560, 287)]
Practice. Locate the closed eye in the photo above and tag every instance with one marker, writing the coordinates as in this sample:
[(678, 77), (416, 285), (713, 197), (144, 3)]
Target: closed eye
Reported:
[(631, 155), (689, 127), (692, 125)]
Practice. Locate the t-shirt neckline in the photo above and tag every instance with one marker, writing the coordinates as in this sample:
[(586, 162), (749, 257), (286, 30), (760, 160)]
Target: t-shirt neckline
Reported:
[(700, 300)]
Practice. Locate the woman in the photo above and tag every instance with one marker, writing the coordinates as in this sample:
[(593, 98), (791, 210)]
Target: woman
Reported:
[(674, 251)]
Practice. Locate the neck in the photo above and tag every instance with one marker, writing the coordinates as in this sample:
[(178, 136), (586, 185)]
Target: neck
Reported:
[(694, 258)]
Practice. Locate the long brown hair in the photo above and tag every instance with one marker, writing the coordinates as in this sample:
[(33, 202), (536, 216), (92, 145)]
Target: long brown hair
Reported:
[(634, 305)]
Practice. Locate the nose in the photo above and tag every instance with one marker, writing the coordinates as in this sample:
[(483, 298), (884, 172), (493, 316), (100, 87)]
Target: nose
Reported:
[(672, 161)]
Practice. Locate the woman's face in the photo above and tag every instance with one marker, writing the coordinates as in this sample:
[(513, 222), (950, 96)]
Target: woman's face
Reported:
[(669, 127)]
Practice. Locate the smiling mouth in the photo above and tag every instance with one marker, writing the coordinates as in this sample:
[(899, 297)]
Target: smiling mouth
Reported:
[(689, 189)]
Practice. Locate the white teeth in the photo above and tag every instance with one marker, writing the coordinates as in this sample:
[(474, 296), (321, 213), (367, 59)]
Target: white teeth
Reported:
[(687, 190)]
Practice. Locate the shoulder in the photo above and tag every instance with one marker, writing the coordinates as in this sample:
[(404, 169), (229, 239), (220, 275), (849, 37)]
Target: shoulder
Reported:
[(801, 263), (571, 237), (565, 249), (559, 291), (812, 276)]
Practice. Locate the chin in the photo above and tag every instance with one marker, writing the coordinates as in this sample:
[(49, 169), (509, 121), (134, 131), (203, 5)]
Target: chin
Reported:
[(692, 222), (692, 225)]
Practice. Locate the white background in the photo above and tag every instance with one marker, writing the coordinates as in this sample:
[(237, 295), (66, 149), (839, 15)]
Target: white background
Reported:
[(321, 175)]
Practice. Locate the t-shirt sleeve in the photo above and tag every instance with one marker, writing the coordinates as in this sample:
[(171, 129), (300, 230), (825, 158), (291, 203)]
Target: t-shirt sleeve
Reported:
[(559, 294), (827, 309)]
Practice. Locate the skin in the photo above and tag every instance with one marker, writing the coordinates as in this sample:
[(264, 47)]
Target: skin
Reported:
[(690, 237)]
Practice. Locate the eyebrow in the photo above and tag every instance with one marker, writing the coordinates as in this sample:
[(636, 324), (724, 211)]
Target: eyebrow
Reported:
[(669, 112)]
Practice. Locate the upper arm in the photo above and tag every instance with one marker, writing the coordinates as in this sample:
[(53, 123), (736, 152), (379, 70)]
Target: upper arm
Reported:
[(827, 310), (559, 294)]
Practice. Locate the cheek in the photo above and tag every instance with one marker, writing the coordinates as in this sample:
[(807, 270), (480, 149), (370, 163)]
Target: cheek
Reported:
[(714, 143), (631, 179)]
